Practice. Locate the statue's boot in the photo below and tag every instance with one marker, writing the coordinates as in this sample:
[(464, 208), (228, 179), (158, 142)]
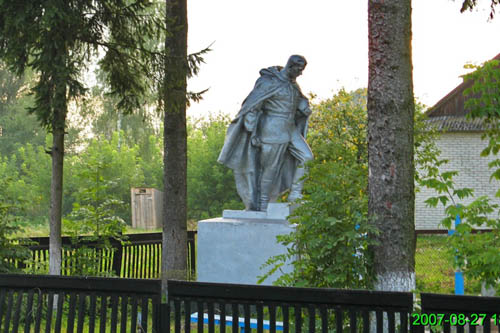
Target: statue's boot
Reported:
[(297, 184), (265, 190)]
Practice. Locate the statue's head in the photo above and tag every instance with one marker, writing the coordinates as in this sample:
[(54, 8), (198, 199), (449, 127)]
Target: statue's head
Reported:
[(295, 65)]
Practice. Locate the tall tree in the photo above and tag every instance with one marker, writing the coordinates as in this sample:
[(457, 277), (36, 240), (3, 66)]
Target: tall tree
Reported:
[(57, 38), (390, 143), (178, 66), (174, 253)]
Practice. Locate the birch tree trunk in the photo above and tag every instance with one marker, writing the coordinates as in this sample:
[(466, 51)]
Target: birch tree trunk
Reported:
[(56, 192), (390, 143)]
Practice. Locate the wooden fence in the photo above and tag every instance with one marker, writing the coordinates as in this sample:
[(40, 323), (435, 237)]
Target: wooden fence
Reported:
[(34, 303), (138, 257)]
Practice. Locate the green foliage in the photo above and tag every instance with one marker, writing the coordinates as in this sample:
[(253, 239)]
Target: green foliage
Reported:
[(10, 84), (425, 147), (211, 187), (476, 254), (434, 265), (125, 167), (18, 127), (483, 93), (123, 163), (58, 38), (330, 247), (139, 130), (151, 161), (94, 212), (103, 171), (99, 110), (95, 217), (483, 103), (338, 128), (29, 173), (12, 252)]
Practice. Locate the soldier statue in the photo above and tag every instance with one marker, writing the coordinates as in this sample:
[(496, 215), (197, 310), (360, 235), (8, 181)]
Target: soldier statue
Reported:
[(265, 144)]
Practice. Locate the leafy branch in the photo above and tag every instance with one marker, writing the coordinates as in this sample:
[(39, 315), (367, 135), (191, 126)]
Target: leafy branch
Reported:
[(474, 252)]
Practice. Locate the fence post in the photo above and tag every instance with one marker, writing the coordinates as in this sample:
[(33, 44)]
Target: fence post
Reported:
[(459, 277), (117, 256), (164, 317), (191, 250)]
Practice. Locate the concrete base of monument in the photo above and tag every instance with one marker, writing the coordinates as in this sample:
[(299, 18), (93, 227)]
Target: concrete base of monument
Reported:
[(233, 248)]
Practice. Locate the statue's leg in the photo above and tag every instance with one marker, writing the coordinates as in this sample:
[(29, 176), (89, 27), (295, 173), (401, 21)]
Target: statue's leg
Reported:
[(300, 150), (271, 157), (246, 186), (298, 184)]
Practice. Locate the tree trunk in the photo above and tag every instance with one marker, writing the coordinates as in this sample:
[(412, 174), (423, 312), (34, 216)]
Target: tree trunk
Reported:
[(56, 191), (390, 143), (174, 254)]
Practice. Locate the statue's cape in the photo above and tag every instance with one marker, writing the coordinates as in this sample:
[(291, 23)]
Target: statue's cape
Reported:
[(238, 152)]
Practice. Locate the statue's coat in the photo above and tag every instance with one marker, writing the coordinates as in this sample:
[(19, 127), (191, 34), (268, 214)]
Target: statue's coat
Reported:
[(240, 155)]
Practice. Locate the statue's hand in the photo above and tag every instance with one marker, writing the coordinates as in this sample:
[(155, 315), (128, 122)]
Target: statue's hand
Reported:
[(304, 107), (250, 121), (307, 112), (256, 142)]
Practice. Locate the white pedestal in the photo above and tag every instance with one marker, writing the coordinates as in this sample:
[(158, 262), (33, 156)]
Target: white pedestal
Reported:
[(233, 248)]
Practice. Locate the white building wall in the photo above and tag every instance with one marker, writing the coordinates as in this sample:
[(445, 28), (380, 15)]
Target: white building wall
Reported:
[(462, 149)]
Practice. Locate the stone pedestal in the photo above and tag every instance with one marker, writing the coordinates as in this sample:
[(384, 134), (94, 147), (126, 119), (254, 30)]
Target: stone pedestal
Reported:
[(232, 249)]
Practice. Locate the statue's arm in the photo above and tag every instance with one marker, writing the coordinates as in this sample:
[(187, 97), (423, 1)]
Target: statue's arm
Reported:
[(251, 120), (304, 107), (255, 101)]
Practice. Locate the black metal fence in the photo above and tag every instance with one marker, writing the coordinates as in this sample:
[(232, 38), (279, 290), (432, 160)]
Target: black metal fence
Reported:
[(466, 313), (34, 303), (138, 257), (284, 309)]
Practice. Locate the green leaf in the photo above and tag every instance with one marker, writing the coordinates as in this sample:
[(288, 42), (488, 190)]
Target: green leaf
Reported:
[(432, 202), (444, 200), (463, 193)]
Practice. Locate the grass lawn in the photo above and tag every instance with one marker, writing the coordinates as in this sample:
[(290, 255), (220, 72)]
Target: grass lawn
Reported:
[(434, 267)]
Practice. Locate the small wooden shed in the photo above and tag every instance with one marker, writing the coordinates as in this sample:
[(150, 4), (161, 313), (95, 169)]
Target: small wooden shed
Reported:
[(147, 207)]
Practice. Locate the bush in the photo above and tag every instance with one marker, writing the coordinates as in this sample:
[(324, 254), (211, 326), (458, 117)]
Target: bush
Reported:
[(94, 216), (330, 247), (211, 186), (13, 253)]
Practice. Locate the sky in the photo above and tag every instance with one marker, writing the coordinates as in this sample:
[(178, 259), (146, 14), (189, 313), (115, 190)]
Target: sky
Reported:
[(333, 36)]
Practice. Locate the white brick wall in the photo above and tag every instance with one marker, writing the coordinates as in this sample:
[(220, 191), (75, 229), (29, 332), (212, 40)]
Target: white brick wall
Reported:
[(463, 150)]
